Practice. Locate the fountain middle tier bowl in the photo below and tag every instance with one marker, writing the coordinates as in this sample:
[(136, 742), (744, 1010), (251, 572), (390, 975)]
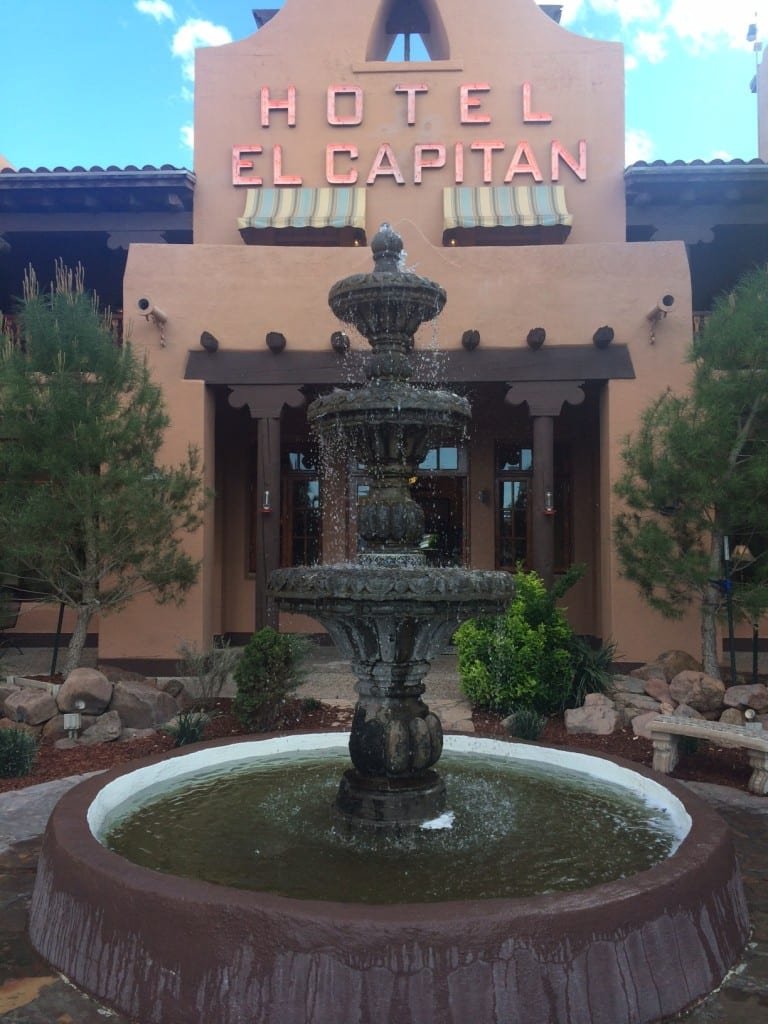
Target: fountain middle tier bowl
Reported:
[(171, 950)]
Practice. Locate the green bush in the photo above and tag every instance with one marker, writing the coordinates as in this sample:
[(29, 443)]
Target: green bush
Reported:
[(526, 724), (523, 658), (188, 727), (17, 753), (591, 669), (265, 675)]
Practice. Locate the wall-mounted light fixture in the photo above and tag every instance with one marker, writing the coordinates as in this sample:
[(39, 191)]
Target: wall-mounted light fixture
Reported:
[(483, 496), (275, 341), (536, 338), (549, 503), (266, 504), (152, 314), (209, 342), (470, 340), (603, 337), (339, 342), (659, 312)]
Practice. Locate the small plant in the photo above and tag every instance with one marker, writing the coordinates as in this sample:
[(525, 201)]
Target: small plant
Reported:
[(17, 753), (265, 675), (311, 704), (591, 668), (188, 727), (211, 668), (526, 724), (520, 659)]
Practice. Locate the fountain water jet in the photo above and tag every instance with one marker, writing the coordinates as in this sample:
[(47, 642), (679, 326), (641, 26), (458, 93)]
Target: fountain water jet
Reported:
[(171, 950)]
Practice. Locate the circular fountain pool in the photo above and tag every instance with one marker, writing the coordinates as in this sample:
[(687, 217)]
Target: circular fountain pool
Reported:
[(176, 950)]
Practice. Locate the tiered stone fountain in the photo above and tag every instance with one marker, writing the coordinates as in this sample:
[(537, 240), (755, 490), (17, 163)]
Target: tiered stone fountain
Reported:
[(167, 949), (390, 613)]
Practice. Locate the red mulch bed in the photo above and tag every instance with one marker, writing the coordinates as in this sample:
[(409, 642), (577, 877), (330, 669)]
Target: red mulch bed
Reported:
[(51, 763), (725, 767)]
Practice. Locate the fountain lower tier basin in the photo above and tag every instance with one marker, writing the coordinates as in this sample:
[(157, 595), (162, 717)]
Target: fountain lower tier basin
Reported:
[(176, 951)]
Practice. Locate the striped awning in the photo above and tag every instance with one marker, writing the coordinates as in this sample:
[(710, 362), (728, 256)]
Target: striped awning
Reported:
[(302, 208), (534, 208)]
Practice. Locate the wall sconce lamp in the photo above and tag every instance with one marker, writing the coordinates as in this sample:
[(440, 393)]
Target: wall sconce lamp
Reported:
[(659, 312), (483, 496), (603, 337), (536, 338), (470, 340), (152, 314), (549, 503), (266, 504), (209, 342), (275, 341), (340, 343)]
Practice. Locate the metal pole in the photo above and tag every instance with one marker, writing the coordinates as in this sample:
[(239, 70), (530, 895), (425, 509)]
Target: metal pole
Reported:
[(755, 645)]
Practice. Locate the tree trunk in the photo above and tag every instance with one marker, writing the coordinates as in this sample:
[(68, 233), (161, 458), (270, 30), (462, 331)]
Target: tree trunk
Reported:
[(710, 603), (79, 634)]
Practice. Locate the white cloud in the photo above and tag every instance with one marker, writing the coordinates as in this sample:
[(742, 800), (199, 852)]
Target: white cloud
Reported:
[(194, 33), (627, 10), (720, 154), (157, 9), (705, 26), (651, 46), (187, 133), (631, 62), (638, 145)]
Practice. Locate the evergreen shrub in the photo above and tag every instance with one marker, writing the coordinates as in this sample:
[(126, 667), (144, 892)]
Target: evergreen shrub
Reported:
[(266, 673), (17, 753), (523, 658)]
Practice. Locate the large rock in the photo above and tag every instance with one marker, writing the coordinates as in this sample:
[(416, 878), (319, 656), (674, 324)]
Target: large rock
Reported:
[(674, 662), (626, 684), (142, 706), (641, 724), (651, 670), (752, 695), (593, 720), (30, 706), (105, 729), (658, 689), (8, 723), (698, 690), (732, 716), (86, 690)]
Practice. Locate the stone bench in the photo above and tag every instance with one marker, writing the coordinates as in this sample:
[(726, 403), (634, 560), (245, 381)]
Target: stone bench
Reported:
[(666, 731)]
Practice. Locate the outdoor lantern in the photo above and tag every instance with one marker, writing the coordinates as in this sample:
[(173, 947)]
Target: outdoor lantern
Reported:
[(266, 505), (72, 722), (549, 503), (275, 341)]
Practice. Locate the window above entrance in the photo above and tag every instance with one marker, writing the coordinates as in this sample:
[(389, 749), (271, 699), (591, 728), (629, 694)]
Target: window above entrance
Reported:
[(303, 216), (523, 215)]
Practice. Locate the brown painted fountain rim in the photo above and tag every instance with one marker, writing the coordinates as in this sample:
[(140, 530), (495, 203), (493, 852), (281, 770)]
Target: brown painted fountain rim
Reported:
[(701, 856)]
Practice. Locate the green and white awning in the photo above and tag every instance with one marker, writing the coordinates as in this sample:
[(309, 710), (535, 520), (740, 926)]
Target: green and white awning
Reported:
[(302, 208), (534, 208)]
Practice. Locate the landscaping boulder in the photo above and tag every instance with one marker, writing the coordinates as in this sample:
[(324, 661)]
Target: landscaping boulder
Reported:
[(626, 684), (30, 706), (754, 695), (698, 690), (105, 729), (136, 734), (641, 724), (593, 720), (658, 689), (85, 689), (686, 711), (7, 723), (142, 706), (674, 662), (732, 716), (651, 670)]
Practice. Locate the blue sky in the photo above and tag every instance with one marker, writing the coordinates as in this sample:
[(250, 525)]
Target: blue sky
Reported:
[(100, 82)]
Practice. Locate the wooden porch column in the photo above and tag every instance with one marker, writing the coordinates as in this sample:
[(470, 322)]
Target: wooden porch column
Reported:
[(545, 400), (265, 405)]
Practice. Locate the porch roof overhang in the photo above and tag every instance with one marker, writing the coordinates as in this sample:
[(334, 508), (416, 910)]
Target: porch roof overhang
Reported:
[(485, 365)]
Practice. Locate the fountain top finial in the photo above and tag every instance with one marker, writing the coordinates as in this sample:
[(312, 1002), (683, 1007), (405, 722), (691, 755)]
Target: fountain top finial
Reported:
[(387, 247)]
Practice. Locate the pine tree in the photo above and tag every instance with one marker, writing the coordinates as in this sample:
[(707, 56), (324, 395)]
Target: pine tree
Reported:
[(88, 517), (696, 472)]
